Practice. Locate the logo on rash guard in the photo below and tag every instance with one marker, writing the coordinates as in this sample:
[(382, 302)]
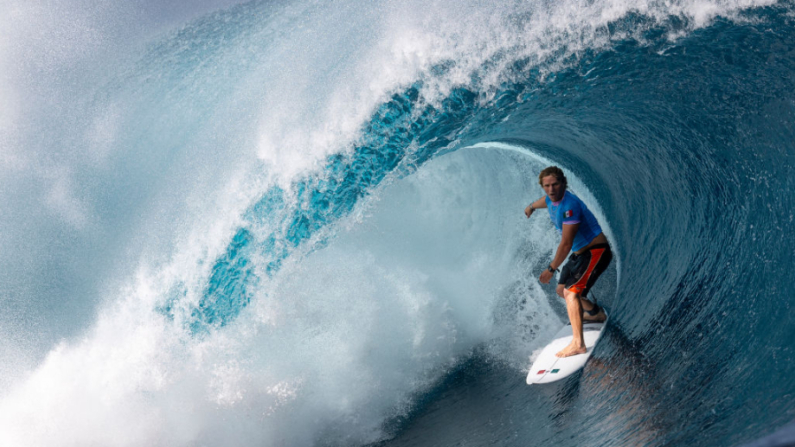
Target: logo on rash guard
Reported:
[(568, 214)]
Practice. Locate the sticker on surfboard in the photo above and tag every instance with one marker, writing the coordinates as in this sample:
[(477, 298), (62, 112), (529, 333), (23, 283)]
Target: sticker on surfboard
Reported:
[(549, 368)]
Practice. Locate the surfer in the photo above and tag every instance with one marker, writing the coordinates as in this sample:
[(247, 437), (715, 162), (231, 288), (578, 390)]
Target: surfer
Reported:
[(582, 235)]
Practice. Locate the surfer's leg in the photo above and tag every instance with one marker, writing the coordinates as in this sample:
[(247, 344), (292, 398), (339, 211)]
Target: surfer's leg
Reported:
[(591, 311), (598, 258), (574, 309), (587, 305)]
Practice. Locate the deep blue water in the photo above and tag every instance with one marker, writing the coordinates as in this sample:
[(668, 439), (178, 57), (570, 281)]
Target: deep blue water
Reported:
[(681, 134)]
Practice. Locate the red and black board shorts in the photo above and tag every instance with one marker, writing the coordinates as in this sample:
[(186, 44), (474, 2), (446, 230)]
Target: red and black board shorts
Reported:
[(582, 271)]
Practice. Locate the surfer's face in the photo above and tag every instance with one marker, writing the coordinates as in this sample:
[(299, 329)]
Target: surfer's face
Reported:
[(553, 187)]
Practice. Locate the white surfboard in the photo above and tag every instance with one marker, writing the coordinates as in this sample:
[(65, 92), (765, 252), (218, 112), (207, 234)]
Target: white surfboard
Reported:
[(550, 368)]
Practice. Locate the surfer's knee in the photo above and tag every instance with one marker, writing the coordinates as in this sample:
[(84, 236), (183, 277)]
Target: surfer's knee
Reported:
[(569, 295), (559, 290)]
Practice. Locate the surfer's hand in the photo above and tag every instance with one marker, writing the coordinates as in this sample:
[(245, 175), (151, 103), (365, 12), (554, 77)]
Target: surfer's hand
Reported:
[(529, 210), (546, 275)]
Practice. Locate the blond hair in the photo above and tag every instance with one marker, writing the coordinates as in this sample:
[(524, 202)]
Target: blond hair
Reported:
[(552, 170)]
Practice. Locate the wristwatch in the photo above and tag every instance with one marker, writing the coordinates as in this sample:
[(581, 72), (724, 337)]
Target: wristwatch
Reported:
[(551, 270)]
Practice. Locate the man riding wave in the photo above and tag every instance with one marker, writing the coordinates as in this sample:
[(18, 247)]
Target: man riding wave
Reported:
[(582, 235)]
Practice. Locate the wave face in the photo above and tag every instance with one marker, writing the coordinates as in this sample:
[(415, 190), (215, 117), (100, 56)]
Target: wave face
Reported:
[(301, 224)]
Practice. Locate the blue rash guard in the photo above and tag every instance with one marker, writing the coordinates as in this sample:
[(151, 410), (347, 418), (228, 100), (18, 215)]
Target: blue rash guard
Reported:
[(571, 210)]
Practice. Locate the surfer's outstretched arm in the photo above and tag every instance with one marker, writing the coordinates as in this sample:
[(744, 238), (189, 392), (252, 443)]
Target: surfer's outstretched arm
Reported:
[(538, 204)]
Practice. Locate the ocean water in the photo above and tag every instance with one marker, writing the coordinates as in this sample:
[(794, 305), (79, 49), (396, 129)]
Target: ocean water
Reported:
[(301, 223)]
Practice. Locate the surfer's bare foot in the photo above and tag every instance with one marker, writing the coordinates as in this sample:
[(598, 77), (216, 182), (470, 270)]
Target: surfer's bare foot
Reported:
[(572, 349), (599, 317)]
